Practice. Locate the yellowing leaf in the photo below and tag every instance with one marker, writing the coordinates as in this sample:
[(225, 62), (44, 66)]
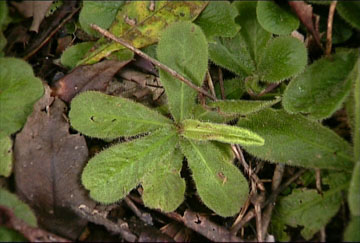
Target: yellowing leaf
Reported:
[(5, 155), (140, 23)]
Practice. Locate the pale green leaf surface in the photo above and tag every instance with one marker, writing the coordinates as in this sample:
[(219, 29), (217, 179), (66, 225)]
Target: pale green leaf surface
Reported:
[(354, 191), (183, 47), (352, 232), (103, 116), (164, 188), (19, 90), (232, 54), (253, 34), (5, 155), (242, 107), (219, 183), (101, 13), (113, 173), (295, 140), (9, 235), (20, 209), (141, 22), (307, 208), (75, 53), (323, 87), (282, 58), (233, 88), (275, 18), (350, 10), (217, 19), (204, 131)]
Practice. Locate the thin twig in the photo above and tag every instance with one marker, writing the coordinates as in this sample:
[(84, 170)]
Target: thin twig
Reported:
[(329, 28), (259, 222), (242, 213), (210, 83), (145, 217), (271, 200), (277, 177), (240, 156), (269, 88), (97, 217), (318, 180), (152, 60), (221, 82)]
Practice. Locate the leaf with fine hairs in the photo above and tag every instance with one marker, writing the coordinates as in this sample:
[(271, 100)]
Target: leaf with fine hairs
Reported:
[(215, 177), (182, 47), (295, 140), (113, 173), (103, 116), (164, 188)]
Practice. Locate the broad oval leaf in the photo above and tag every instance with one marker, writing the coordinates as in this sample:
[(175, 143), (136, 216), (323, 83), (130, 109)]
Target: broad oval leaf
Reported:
[(242, 107), (217, 19), (350, 12), (103, 116), (113, 173), (204, 131), (164, 188), (182, 47), (20, 209), (219, 183), (19, 90), (140, 23), (101, 13), (323, 87), (283, 58), (275, 18), (352, 232), (308, 208), (295, 140), (5, 155), (75, 53)]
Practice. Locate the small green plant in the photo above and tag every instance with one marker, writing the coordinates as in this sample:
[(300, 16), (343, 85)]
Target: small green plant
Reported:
[(155, 158)]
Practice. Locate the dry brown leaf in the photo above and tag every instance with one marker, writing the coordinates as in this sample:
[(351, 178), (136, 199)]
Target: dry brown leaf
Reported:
[(87, 77), (48, 164), (35, 9)]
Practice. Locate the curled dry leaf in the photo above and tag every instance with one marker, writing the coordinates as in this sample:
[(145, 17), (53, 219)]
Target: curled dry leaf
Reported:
[(87, 77), (48, 163), (210, 230), (35, 9), (305, 13)]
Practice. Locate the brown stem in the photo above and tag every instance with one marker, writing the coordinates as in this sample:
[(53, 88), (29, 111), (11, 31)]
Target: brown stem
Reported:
[(152, 60), (210, 83), (329, 28), (221, 82)]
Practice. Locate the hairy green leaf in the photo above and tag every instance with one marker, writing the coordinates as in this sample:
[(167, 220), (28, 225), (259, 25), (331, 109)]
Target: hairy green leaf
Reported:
[(140, 23), (276, 18), (233, 88), (183, 47), (217, 19), (350, 12), (283, 58), (20, 209), (295, 140), (210, 115), (307, 208), (5, 155), (232, 54), (219, 183), (242, 107), (253, 34), (75, 53), (203, 131), (354, 191), (356, 111), (113, 173), (101, 13), (323, 87), (9, 235), (164, 188), (103, 116), (352, 232), (19, 90)]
